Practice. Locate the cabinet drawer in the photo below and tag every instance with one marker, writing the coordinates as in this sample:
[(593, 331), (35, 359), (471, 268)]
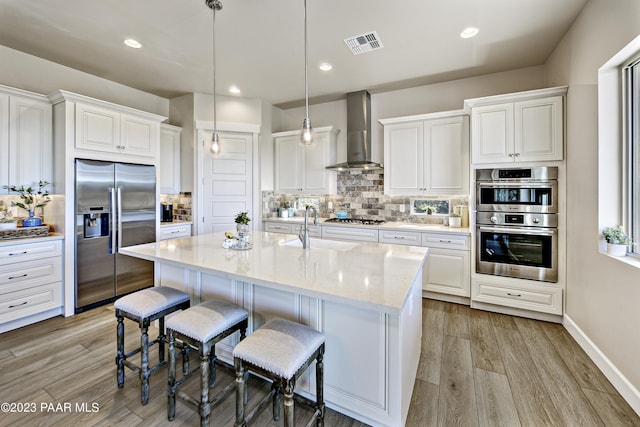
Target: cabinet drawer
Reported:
[(28, 274), (175, 231), (353, 234), (445, 241), (274, 227), (14, 305), (29, 251), (447, 271), (545, 299), (400, 237)]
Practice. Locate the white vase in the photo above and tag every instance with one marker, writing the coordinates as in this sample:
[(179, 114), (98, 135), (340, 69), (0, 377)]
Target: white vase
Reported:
[(616, 250), (455, 221)]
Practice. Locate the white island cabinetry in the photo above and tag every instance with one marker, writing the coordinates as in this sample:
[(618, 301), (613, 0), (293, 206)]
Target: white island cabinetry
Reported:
[(372, 322)]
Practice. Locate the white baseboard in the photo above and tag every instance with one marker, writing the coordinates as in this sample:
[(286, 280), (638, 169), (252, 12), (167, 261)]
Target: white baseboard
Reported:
[(619, 381), (447, 298)]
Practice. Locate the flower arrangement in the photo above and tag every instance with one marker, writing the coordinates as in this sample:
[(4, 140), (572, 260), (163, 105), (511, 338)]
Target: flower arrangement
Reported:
[(31, 199), (616, 235), (242, 218)]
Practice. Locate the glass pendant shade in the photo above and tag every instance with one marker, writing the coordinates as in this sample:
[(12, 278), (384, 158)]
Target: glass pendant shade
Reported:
[(307, 132), (215, 143)]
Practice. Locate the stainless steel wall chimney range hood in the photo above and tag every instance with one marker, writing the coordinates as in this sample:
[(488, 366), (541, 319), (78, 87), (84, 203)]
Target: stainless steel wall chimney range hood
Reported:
[(358, 133)]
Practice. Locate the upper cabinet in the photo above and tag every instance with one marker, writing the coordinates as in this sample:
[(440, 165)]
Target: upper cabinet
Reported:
[(107, 131), (520, 127), (301, 169), (169, 159), (25, 138), (427, 154)]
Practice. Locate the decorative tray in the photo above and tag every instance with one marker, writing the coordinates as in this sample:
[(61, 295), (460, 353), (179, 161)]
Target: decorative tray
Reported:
[(24, 232)]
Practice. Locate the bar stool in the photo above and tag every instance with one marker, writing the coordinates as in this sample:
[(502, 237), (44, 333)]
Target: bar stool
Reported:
[(280, 351), (202, 326), (144, 307)]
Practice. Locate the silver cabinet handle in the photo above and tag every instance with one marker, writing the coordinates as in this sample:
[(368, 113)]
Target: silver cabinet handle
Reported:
[(445, 241), (513, 295), (19, 253), (18, 305), (17, 277)]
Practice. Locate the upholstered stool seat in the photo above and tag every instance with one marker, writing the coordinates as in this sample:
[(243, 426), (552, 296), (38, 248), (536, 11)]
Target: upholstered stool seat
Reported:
[(202, 326), (144, 307), (281, 351)]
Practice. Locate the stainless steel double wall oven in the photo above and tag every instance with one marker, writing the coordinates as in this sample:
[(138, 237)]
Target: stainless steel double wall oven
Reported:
[(517, 222)]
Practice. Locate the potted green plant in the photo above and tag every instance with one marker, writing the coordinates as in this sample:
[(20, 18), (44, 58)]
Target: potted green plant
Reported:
[(31, 199), (283, 212), (455, 220), (242, 224), (617, 240)]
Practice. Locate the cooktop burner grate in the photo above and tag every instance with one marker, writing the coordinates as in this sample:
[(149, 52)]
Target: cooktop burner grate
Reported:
[(358, 221)]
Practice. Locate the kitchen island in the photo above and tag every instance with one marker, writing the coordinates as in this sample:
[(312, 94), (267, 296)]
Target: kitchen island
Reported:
[(365, 298)]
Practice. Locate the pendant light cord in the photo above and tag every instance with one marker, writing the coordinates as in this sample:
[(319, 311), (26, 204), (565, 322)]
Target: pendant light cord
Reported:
[(213, 44), (306, 60)]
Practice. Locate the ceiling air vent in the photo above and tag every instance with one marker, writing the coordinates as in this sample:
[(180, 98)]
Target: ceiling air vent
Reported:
[(364, 43)]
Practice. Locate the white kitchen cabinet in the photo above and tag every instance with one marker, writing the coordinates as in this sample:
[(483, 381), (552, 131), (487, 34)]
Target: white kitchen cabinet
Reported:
[(169, 159), (26, 147), (523, 127), (30, 282), (400, 237), (108, 130), (522, 294), (301, 169), (448, 268), (292, 228), (427, 157), (352, 234), (174, 231)]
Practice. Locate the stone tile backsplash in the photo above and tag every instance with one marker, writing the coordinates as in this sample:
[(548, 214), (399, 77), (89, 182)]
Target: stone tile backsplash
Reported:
[(361, 194), (181, 205)]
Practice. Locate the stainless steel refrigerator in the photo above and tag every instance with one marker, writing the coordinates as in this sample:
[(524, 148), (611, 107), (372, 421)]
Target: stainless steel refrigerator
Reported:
[(115, 207)]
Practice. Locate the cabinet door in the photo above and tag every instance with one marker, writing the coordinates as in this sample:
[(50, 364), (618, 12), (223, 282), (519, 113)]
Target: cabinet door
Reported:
[(447, 271), (97, 128), (169, 160), (492, 133), (4, 142), (30, 141), (538, 129), (446, 156), (315, 177), (138, 136), (288, 163), (403, 157)]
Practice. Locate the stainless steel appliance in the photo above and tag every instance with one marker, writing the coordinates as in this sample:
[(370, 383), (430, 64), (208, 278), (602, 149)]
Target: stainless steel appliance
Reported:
[(517, 223), (115, 207), (166, 212), (532, 189)]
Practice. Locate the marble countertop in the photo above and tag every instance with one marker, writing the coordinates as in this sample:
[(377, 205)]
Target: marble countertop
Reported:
[(370, 275), (400, 226), (51, 236)]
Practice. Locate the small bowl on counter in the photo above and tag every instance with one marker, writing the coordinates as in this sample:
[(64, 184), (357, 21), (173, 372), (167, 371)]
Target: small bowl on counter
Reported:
[(342, 215)]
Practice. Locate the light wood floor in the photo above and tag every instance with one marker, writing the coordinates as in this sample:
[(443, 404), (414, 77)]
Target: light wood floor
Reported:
[(476, 369)]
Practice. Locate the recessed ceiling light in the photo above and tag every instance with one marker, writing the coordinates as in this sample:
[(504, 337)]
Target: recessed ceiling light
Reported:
[(469, 32), (234, 89), (133, 43), (325, 66)]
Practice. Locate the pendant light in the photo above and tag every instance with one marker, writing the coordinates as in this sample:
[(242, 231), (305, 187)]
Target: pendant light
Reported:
[(214, 5), (307, 129)]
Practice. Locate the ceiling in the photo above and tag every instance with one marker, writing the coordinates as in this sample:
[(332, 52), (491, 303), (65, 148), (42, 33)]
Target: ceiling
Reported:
[(260, 43)]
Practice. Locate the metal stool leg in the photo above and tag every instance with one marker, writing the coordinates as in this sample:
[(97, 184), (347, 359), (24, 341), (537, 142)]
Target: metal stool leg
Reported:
[(120, 352), (212, 367), (144, 365), (161, 339), (171, 392), (288, 403), (205, 406), (277, 400), (240, 393), (320, 386)]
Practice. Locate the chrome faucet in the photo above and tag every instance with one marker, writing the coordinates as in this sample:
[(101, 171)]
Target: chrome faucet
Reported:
[(304, 230)]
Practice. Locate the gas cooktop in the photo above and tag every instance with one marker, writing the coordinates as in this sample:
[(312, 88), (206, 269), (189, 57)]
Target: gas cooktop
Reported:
[(358, 221)]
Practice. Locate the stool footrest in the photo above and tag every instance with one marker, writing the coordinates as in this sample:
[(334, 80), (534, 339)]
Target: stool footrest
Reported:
[(260, 406)]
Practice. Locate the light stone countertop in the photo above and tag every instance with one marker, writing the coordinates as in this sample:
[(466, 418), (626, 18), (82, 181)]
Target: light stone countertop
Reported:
[(369, 275), (175, 222), (20, 241), (400, 226)]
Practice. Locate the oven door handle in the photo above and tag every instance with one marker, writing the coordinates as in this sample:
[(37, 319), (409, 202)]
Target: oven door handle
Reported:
[(521, 230), (518, 184)]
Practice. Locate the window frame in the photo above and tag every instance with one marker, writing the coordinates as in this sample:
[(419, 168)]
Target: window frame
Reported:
[(631, 153)]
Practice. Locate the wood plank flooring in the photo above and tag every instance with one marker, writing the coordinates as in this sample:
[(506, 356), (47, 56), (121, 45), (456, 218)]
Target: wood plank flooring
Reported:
[(476, 369)]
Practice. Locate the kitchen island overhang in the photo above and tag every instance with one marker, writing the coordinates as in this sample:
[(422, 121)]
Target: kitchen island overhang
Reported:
[(365, 298)]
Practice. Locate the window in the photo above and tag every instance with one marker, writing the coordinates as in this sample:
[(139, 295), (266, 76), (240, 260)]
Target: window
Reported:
[(632, 152)]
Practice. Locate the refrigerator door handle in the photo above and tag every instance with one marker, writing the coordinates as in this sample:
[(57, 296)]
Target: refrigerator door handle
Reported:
[(114, 222), (119, 218)]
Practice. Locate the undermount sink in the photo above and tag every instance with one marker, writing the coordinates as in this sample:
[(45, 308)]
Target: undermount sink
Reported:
[(323, 244)]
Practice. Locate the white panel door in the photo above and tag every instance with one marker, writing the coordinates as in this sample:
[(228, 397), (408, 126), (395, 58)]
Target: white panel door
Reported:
[(139, 136), (538, 129), (97, 128), (4, 142), (492, 133), (30, 143), (288, 164), (447, 271), (446, 157), (227, 178), (403, 158), (316, 158)]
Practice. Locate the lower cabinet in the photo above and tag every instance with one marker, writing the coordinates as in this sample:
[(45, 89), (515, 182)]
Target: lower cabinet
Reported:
[(174, 231), (30, 283), (522, 294), (448, 266), (294, 228)]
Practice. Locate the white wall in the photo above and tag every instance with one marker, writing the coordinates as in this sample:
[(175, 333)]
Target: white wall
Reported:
[(24, 71), (603, 295), (419, 100)]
